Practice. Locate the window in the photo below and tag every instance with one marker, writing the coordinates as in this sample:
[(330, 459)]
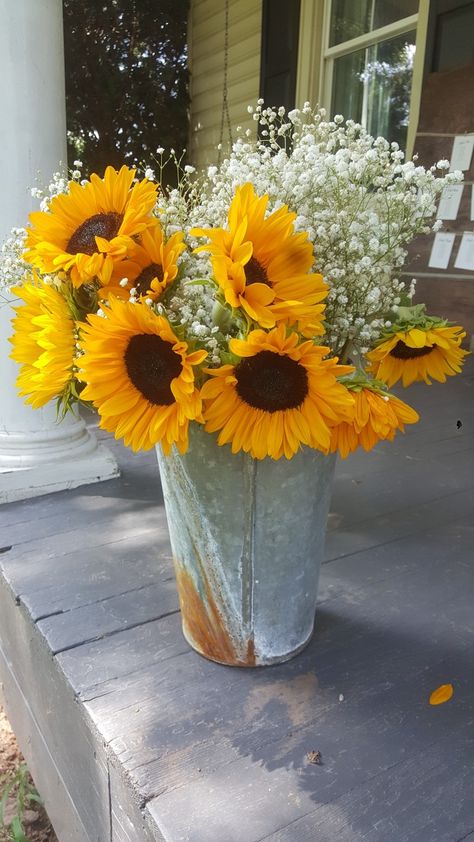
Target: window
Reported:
[(368, 63)]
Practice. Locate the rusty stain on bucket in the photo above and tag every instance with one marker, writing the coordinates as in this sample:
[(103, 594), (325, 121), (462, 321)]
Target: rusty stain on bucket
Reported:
[(205, 625)]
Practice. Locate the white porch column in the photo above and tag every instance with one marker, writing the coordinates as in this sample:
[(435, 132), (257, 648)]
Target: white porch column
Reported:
[(37, 455)]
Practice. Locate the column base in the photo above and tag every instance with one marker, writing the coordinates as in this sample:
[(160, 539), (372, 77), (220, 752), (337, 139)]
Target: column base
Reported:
[(53, 460)]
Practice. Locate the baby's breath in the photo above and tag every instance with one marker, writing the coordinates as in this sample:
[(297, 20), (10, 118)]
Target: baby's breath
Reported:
[(356, 197)]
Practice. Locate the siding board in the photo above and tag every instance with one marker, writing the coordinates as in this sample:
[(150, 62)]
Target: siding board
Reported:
[(206, 48)]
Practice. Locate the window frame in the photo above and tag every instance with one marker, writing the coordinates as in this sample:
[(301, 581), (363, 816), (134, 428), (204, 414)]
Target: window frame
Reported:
[(316, 58)]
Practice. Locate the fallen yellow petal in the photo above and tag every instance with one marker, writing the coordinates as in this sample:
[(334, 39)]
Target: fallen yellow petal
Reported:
[(441, 694)]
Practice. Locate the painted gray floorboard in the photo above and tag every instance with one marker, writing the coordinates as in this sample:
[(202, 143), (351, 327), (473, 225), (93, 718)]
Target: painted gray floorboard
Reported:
[(80, 578), (410, 801), (349, 538), (90, 537), (405, 796), (86, 510), (194, 731), (101, 619)]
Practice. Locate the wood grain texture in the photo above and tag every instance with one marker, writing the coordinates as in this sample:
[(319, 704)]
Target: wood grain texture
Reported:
[(55, 793), (78, 754)]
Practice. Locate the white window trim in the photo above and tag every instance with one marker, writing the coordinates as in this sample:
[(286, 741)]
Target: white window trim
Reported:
[(316, 58), (368, 39)]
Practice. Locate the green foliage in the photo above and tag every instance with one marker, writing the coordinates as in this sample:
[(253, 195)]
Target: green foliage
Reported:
[(21, 787), (126, 79)]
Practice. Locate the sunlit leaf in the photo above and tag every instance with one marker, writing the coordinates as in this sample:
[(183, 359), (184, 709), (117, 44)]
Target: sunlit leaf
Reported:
[(441, 694)]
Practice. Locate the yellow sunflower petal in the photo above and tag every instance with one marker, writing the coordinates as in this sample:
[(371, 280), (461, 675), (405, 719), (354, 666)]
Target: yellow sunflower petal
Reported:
[(84, 223), (418, 354), (139, 376), (43, 342), (269, 403), (442, 694), (263, 265)]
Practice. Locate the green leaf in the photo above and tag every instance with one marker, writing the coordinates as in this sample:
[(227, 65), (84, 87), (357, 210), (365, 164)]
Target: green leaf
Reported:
[(3, 800), (16, 830), (201, 282)]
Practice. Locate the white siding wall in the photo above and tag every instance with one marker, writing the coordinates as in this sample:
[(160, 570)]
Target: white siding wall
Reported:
[(206, 48)]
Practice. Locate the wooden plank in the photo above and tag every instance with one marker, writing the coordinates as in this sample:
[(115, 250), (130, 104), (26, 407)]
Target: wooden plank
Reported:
[(105, 617), (362, 648), (347, 538), (439, 477), (272, 789), (79, 578), (77, 749), (123, 653), (413, 801), (91, 538), (128, 820), (85, 794), (54, 792), (79, 516)]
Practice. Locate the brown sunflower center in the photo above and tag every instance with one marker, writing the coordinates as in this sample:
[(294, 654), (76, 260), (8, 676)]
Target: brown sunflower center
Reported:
[(142, 283), (255, 273), (404, 352), (271, 382), (152, 365), (104, 225)]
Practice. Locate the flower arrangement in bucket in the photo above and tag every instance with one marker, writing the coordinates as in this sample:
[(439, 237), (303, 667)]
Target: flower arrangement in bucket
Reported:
[(250, 324)]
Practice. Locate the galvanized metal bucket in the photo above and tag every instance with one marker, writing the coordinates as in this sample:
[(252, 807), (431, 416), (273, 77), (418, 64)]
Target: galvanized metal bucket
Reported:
[(248, 540)]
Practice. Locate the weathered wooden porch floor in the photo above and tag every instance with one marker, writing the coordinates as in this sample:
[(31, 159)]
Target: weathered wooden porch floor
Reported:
[(131, 736)]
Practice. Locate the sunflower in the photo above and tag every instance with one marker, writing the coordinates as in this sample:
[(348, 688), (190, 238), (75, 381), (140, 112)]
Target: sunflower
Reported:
[(88, 228), (140, 376), (377, 415), (150, 266), (280, 395), (43, 342), (263, 266), (418, 353)]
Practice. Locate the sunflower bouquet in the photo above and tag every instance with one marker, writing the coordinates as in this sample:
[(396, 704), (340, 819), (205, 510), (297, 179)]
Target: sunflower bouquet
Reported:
[(260, 299)]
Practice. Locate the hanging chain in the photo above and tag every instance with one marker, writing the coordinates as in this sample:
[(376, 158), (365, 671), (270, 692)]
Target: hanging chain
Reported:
[(225, 116)]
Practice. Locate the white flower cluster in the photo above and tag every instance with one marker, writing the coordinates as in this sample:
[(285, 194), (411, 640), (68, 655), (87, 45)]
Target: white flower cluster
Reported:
[(355, 196), (59, 184), (190, 306), (12, 267)]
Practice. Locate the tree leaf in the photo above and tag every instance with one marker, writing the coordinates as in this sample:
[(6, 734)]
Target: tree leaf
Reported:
[(442, 694)]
